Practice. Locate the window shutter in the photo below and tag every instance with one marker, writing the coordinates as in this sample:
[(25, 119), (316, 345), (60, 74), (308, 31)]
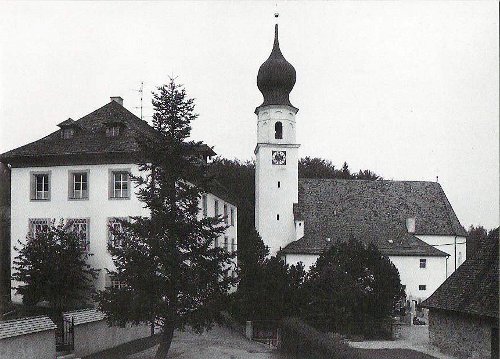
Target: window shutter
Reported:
[(32, 185)]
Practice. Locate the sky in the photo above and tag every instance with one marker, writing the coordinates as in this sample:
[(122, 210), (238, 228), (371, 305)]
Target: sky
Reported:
[(407, 89)]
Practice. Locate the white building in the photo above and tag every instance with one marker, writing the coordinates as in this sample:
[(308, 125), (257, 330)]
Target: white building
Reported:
[(412, 222), (80, 173)]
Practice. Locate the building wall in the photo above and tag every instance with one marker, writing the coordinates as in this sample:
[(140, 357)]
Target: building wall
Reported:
[(271, 200), (97, 336), (450, 245), (461, 335), (41, 345), (411, 275), (307, 259), (98, 208)]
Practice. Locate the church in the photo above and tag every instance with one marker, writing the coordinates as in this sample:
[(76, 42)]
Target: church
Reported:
[(411, 222)]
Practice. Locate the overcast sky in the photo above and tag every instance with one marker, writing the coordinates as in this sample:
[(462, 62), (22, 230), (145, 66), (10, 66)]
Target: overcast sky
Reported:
[(406, 89)]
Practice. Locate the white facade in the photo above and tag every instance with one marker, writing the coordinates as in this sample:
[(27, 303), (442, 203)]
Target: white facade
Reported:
[(97, 209), (276, 175), (455, 246), (420, 282)]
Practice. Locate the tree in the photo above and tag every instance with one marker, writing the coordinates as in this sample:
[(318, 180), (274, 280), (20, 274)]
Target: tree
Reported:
[(270, 292), (53, 266), (351, 288), (474, 236), (321, 168), (172, 273)]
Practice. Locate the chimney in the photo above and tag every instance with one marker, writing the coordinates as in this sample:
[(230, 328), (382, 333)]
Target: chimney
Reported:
[(117, 99), (410, 224)]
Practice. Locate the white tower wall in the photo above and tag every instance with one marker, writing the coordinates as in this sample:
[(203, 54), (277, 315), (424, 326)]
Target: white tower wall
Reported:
[(276, 185)]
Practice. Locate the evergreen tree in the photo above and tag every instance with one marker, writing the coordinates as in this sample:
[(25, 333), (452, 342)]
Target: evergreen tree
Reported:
[(52, 266), (351, 288), (173, 275)]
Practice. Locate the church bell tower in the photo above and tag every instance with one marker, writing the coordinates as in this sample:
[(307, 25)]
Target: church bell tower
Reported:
[(276, 167)]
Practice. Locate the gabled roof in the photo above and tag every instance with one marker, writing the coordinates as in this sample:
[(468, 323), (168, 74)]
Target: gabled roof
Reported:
[(373, 211), (90, 142), (473, 287), (23, 326)]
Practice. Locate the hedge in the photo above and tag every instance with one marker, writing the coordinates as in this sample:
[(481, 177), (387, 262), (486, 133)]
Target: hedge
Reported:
[(303, 341)]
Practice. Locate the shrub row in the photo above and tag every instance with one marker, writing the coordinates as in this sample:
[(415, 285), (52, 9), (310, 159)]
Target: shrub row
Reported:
[(303, 341)]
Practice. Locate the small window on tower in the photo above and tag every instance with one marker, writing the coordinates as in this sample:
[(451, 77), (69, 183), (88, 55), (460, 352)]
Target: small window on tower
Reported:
[(278, 130), (277, 217), (279, 184)]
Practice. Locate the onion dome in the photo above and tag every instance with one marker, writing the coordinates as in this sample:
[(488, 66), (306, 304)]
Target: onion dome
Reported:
[(276, 77)]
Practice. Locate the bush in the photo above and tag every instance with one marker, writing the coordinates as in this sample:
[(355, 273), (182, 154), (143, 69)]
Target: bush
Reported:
[(303, 341)]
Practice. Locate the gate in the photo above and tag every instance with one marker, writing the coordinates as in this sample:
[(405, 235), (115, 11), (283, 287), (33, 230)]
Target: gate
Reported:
[(266, 331), (65, 339)]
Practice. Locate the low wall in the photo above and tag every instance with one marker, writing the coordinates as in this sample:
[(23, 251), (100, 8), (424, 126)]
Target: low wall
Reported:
[(461, 335), (28, 338), (92, 333)]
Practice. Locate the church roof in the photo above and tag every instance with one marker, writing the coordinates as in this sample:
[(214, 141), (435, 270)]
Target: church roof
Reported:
[(372, 211), (90, 143), (276, 77), (473, 287)]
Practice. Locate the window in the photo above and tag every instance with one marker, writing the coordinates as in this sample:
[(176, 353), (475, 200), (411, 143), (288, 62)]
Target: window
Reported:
[(116, 284), (279, 184), (232, 216), (67, 133), (80, 226), (233, 245), (120, 184), (226, 243), (38, 225), (226, 219), (78, 185), (278, 130), (277, 217), (422, 287), (114, 229), (40, 186), (423, 263), (216, 208), (112, 131), (204, 205)]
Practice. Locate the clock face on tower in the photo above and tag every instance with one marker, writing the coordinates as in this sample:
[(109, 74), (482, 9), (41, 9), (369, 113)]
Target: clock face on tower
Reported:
[(279, 157)]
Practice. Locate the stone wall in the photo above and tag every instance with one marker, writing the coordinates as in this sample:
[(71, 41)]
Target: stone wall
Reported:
[(461, 335)]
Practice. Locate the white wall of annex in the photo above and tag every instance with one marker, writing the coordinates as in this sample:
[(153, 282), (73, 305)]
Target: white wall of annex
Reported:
[(308, 260), (450, 245), (411, 275)]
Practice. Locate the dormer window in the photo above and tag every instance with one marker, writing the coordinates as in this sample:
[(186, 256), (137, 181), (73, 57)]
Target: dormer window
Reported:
[(68, 128), (67, 133), (113, 131)]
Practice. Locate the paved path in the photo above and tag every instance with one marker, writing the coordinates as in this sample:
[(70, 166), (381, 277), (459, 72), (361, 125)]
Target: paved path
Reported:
[(415, 337), (218, 343)]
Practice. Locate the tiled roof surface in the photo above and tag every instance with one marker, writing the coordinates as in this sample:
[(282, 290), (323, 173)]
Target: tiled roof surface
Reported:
[(473, 287), (90, 136), (373, 211), (84, 316), (16, 327)]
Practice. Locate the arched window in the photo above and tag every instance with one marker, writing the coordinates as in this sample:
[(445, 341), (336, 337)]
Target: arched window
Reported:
[(278, 130)]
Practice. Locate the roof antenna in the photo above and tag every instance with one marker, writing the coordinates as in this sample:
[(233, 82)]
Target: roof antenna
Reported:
[(140, 90)]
